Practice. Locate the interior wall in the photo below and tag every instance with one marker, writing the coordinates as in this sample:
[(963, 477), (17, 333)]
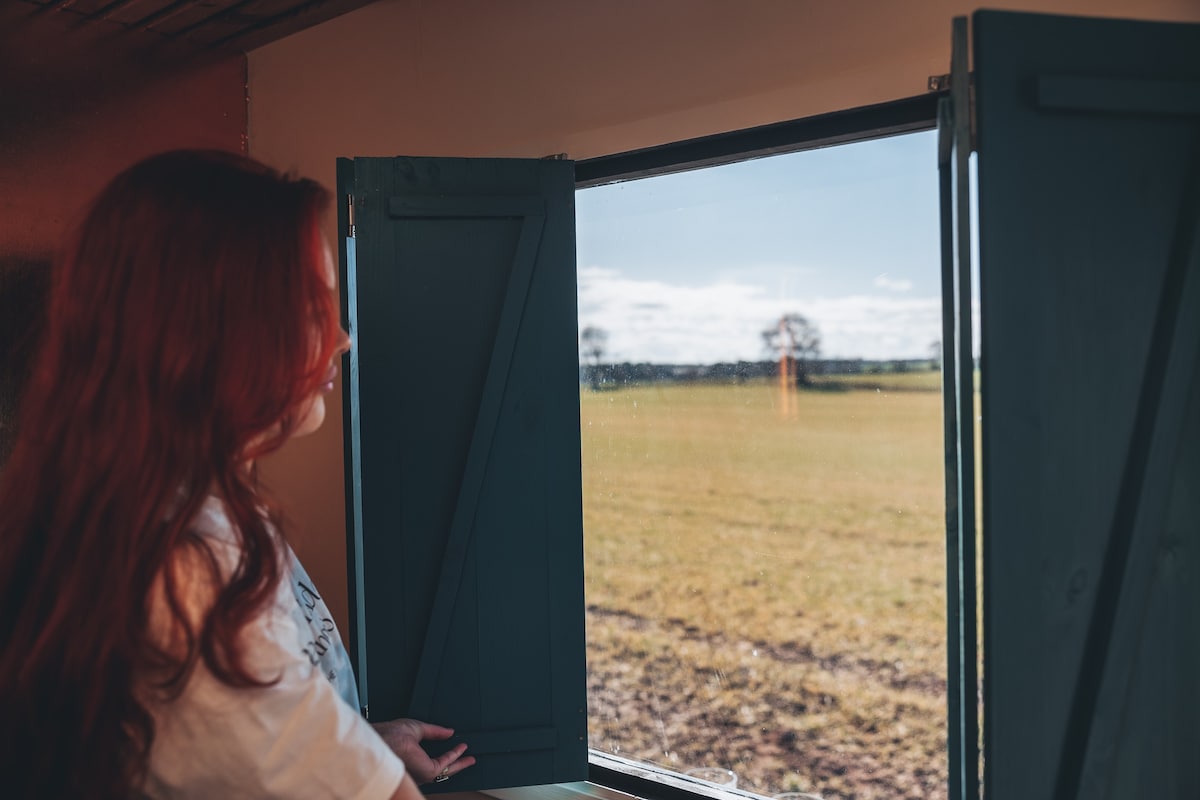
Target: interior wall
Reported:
[(79, 104), (529, 78)]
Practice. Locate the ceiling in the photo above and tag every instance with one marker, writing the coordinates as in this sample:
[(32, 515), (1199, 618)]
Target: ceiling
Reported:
[(238, 25), (62, 61)]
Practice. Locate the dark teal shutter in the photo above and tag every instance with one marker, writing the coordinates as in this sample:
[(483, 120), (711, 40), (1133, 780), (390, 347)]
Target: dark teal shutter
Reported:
[(1088, 135), (462, 431)]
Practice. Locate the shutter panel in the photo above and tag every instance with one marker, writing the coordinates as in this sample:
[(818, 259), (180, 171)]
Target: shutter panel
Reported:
[(463, 458), (1089, 197)]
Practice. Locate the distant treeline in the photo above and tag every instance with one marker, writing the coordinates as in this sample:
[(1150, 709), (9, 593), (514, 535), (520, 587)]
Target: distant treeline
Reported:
[(604, 376)]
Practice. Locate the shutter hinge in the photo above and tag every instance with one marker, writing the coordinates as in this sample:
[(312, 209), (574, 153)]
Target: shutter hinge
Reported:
[(366, 714), (350, 229), (938, 83)]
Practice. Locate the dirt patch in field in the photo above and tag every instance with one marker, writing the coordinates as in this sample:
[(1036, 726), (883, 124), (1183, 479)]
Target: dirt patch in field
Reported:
[(781, 716)]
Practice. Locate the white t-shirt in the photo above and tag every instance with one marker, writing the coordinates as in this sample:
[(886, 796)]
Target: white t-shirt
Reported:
[(301, 737)]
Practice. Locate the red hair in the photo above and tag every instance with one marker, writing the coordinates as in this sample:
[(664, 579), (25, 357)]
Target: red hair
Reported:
[(189, 323)]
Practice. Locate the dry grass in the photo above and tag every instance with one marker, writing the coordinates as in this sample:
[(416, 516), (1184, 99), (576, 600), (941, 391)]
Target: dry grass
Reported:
[(766, 592)]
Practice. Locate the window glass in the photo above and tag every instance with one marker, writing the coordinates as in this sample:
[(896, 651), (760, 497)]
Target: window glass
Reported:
[(762, 471)]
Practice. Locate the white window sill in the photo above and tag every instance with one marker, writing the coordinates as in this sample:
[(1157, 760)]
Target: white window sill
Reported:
[(587, 790)]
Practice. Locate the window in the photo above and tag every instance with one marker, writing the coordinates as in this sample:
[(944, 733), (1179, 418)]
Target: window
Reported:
[(1089, 334), (762, 470), (733, 646)]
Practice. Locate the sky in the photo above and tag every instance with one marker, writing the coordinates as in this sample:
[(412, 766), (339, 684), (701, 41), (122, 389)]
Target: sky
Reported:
[(690, 268)]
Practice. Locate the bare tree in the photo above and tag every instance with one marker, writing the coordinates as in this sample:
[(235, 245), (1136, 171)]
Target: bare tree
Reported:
[(935, 354), (796, 342), (593, 342)]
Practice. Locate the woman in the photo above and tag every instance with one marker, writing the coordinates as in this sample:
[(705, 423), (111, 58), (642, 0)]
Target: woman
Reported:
[(157, 636)]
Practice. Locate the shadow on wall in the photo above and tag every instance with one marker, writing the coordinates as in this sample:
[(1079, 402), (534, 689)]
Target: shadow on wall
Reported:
[(23, 286)]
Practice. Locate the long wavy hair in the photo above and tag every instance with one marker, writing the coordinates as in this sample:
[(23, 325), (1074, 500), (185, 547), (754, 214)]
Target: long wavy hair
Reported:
[(189, 322), (22, 299)]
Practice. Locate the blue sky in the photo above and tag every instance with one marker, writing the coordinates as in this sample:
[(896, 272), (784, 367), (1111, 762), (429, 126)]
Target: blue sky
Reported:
[(689, 268)]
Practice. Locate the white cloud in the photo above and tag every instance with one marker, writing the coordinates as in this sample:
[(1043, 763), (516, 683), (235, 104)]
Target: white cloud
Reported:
[(882, 281), (654, 321)]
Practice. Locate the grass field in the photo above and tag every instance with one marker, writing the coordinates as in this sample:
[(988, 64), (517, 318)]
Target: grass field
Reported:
[(766, 590)]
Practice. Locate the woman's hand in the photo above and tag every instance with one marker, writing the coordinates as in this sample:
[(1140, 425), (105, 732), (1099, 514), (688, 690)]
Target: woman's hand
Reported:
[(404, 736)]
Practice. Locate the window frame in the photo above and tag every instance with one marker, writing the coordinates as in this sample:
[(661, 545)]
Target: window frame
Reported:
[(908, 115)]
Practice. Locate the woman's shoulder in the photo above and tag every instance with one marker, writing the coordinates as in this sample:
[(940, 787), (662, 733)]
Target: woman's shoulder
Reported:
[(208, 556), (212, 522), (213, 529), (199, 568)]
